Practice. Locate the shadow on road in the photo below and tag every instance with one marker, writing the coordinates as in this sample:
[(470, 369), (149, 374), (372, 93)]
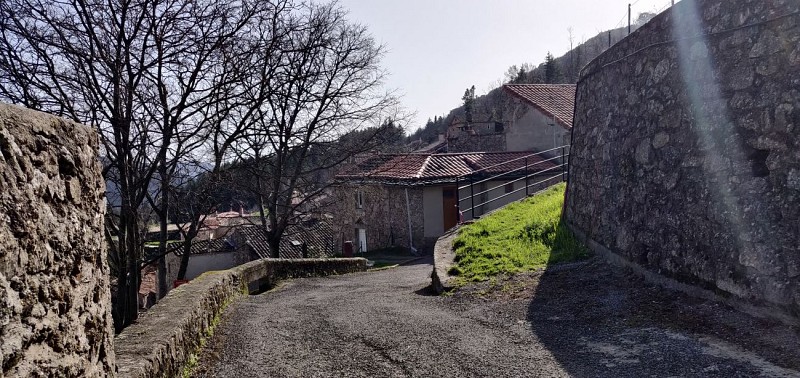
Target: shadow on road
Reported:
[(599, 321)]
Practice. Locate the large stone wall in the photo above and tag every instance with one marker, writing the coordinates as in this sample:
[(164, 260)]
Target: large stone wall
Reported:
[(54, 294), (686, 150)]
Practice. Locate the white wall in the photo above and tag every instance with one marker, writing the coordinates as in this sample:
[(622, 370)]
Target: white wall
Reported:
[(432, 211), (532, 132), (201, 263), (432, 203)]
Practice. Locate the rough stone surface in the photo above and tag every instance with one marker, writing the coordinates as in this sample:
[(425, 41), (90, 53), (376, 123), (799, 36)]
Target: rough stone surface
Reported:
[(55, 318), (160, 343), (696, 179), (384, 215), (443, 258)]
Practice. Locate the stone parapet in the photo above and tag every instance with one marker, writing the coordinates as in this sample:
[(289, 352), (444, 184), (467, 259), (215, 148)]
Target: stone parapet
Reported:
[(55, 308), (161, 342)]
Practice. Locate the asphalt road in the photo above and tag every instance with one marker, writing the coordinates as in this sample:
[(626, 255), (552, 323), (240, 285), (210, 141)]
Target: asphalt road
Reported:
[(385, 324)]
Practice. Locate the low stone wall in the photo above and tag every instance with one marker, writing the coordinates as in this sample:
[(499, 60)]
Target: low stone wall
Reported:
[(443, 259), (685, 157), (160, 342), (55, 318)]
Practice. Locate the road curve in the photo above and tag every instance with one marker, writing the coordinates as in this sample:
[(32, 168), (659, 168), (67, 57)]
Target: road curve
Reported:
[(385, 324)]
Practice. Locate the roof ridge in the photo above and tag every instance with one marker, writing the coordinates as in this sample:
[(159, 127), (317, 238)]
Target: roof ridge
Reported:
[(424, 166), (477, 153)]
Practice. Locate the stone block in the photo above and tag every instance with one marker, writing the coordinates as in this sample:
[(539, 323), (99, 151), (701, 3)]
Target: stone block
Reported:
[(55, 318)]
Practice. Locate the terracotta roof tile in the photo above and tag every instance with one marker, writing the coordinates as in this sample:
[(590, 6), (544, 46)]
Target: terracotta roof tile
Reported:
[(553, 99), (438, 167)]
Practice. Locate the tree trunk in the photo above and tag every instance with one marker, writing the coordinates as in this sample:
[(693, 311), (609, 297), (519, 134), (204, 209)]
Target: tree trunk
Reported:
[(163, 236), (187, 246)]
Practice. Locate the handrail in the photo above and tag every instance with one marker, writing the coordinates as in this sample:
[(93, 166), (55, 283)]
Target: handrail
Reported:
[(555, 172), (510, 193), (513, 170), (521, 178), (509, 161)]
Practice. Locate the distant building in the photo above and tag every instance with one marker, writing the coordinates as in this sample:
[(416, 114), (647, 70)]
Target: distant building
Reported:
[(538, 118), (545, 119), (380, 199)]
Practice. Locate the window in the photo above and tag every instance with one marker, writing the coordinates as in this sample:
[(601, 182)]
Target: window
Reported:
[(509, 187), (359, 199), (498, 127)]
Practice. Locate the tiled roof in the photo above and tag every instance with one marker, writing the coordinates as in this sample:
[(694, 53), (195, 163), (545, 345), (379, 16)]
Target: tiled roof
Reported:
[(552, 99), (211, 246), (317, 235), (255, 237), (432, 168), (434, 147)]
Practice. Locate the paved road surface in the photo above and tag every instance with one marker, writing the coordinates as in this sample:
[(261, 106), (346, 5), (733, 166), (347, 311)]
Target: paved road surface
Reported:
[(383, 324)]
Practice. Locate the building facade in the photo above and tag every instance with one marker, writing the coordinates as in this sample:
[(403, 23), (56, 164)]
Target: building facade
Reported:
[(410, 200)]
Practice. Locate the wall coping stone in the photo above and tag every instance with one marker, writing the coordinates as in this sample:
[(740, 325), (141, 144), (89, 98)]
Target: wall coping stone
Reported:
[(160, 343)]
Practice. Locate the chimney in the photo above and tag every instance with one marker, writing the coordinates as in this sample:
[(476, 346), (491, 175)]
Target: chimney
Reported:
[(241, 210)]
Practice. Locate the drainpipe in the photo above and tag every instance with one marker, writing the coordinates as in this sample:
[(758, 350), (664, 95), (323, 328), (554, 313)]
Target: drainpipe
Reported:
[(410, 237)]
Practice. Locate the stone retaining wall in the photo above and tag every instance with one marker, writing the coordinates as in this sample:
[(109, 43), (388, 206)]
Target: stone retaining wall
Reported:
[(443, 260), (161, 341), (55, 306), (686, 150)]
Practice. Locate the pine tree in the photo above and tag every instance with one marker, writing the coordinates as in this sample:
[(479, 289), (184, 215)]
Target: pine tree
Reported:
[(469, 100), (551, 72)]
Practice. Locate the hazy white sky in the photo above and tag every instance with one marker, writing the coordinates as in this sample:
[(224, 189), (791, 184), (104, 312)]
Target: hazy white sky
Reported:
[(438, 48)]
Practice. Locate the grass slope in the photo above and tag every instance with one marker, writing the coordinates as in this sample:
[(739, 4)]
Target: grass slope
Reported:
[(523, 236)]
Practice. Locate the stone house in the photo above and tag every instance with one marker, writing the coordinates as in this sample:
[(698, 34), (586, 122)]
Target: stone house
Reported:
[(538, 117), (409, 200)]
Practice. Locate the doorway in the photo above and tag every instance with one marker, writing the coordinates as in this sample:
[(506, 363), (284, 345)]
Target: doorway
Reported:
[(449, 210), (361, 235)]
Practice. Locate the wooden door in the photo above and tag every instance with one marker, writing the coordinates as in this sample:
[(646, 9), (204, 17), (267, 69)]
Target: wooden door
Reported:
[(449, 210)]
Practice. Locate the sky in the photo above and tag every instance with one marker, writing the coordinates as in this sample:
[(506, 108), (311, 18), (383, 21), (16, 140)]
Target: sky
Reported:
[(435, 49)]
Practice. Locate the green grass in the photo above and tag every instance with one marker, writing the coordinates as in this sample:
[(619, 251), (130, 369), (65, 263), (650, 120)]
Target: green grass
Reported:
[(523, 236)]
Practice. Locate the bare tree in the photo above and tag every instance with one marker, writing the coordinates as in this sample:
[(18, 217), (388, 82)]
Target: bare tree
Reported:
[(318, 79), (141, 72)]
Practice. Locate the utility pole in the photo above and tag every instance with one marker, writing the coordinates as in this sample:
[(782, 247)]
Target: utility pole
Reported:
[(609, 38), (629, 18)]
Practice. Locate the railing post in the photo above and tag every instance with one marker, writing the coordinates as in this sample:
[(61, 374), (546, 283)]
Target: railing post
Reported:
[(472, 195), (526, 176), (563, 163), (458, 203)]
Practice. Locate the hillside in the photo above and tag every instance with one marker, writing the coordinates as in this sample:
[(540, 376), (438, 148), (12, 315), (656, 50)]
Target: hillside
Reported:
[(494, 105)]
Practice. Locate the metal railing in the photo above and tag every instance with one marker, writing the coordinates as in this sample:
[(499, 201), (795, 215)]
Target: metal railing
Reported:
[(538, 170)]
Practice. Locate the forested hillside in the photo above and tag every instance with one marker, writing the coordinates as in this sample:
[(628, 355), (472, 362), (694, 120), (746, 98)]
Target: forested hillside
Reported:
[(493, 105)]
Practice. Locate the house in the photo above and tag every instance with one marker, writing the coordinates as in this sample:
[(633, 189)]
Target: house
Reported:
[(245, 242), (544, 119), (538, 117), (380, 199), (309, 238)]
